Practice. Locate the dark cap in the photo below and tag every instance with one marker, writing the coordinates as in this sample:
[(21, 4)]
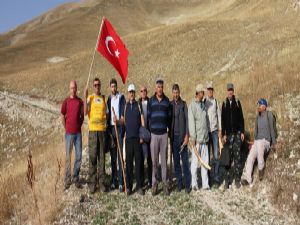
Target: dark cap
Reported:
[(230, 86)]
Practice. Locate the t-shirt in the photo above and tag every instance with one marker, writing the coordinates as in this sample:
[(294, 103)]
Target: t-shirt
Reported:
[(72, 109), (97, 113), (115, 100)]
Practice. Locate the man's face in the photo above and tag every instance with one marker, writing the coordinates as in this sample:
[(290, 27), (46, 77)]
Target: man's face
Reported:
[(210, 92), (159, 88), (97, 87), (261, 108), (73, 88), (176, 94), (131, 95), (114, 88), (143, 92), (230, 93), (200, 95)]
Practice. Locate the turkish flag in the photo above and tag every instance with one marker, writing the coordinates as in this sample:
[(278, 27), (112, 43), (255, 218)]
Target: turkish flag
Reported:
[(113, 49)]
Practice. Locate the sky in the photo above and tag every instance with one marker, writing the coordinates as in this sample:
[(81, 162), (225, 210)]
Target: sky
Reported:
[(16, 12)]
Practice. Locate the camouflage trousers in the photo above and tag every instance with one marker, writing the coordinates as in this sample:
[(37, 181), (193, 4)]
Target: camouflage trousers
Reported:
[(234, 171)]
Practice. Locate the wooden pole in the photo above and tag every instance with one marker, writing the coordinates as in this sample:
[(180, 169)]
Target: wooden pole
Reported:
[(91, 66), (199, 157), (119, 150)]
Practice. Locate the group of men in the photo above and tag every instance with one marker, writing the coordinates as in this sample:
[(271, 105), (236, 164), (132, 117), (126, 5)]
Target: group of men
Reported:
[(147, 124)]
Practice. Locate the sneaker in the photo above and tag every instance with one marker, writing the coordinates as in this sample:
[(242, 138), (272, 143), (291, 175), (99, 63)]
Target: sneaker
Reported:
[(154, 189), (121, 189), (195, 188), (244, 182), (113, 186), (238, 184), (166, 190), (261, 174)]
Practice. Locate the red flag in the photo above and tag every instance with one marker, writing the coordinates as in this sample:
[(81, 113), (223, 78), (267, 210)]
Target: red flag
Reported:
[(113, 49)]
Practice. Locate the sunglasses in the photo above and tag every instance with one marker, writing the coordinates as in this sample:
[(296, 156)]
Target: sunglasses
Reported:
[(97, 85)]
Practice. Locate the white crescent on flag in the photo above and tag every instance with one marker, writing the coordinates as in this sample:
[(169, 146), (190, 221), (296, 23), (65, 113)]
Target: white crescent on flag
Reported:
[(107, 40)]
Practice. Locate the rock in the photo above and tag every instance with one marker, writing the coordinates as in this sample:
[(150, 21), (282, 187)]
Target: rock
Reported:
[(295, 197)]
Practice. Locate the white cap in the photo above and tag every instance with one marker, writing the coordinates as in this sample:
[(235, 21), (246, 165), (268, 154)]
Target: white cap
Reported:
[(209, 86), (199, 88), (131, 87)]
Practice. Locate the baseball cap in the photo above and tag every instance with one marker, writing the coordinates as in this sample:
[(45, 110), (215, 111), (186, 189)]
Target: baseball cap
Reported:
[(131, 87)]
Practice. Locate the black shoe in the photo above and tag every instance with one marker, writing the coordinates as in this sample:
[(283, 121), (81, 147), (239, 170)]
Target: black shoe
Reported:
[(244, 182), (226, 186), (67, 186), (261, 174), (128, 191), (188, 190), (166, 190), (78, 185), (140, 191), (238, 184), (102, 187), (154, 189), (92, 189)]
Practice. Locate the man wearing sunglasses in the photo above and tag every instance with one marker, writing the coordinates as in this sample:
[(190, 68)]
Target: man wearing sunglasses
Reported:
[(117, 101), (264, 134), (95, 108), (144, 102)]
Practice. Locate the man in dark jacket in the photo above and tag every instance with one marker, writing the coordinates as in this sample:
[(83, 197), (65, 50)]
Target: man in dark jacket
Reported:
[(179, 134), (144, 104), (116, 101), (233, 135), (133, 122)]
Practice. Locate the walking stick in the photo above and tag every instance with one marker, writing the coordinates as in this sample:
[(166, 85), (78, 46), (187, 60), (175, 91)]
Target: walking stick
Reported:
[(119, 149), (199, 157)]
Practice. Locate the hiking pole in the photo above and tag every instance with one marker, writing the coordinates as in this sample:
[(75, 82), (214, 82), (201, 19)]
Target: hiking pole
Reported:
[(182, 148), (199, 157), (119, 149)]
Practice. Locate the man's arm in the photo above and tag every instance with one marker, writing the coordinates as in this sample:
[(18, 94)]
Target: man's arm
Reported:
[(85, 102), (186, 115), (192, 125), (63, 120)]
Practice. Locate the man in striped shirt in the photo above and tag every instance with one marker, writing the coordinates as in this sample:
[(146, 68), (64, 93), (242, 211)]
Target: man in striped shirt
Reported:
[(160, 117)]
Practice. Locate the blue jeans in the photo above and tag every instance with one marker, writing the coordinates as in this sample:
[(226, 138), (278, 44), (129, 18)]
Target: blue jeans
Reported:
[(116, 174), (73, 140), (214, 145), (185, 163)]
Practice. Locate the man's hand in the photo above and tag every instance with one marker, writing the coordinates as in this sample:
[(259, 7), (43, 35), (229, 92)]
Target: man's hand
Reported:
[(141, 141), (86, 92), (225, 138), (242, 137), (220, 134), (186, 140)]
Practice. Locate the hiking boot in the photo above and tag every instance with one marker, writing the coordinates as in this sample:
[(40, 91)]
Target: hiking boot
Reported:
[(154, 189), (244, 182), (261, 174), (166, 190), (238, 184), (140, 191)]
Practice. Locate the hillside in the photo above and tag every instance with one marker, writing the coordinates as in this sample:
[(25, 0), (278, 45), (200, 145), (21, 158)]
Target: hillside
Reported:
[(252, 43)]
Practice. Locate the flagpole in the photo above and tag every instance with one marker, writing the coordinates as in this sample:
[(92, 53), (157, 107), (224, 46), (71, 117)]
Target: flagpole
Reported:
[(91, 66)]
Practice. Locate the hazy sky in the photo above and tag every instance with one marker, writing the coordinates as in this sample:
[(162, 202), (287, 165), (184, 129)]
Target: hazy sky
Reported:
[(16, 12)]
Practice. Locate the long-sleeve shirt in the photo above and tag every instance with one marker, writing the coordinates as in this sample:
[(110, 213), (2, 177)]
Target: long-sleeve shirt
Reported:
[(159, 115), (264, 127), (214, 114)]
